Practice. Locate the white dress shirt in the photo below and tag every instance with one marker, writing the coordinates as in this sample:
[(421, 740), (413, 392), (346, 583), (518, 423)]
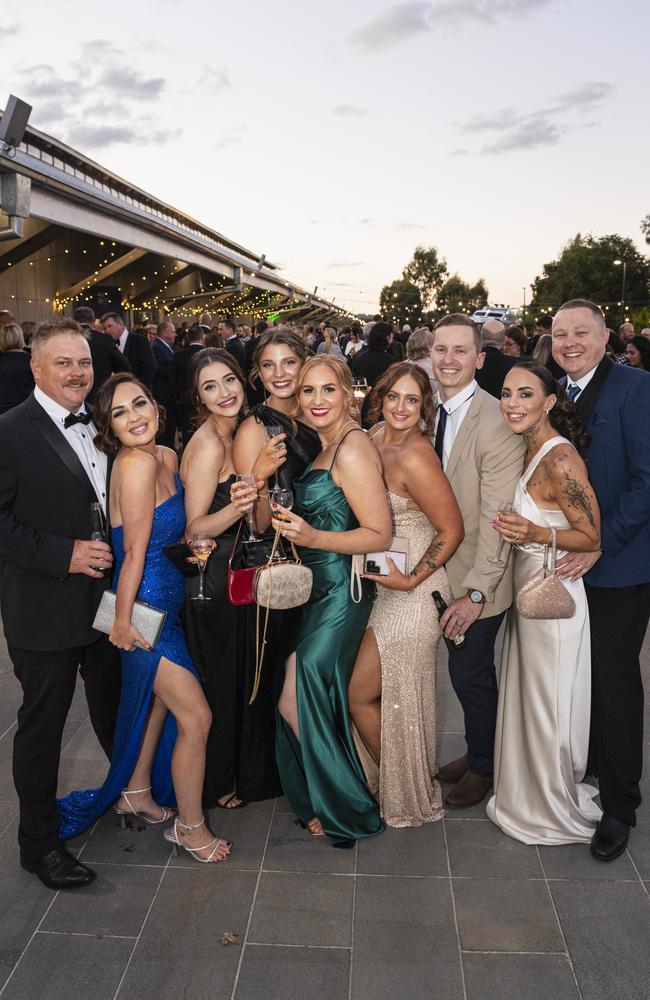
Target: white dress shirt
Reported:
[(456, 408), (80, 438), (582, 383), (123, 339)]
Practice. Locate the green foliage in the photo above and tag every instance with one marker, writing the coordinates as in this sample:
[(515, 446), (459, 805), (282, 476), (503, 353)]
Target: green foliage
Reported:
[(585, 269), (645, 228), (640, 318), (426, 270), (457, 296), (401, 302)]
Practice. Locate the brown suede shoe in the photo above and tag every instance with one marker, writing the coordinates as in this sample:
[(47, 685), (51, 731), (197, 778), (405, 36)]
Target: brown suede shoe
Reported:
[(454, 770), (469, 791)]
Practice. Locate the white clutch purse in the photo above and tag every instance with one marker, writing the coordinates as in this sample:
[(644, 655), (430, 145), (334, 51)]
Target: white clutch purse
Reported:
[(147, 619)]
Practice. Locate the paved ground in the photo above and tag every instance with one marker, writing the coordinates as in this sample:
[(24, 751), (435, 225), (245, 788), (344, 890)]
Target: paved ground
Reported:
[(453, 910)]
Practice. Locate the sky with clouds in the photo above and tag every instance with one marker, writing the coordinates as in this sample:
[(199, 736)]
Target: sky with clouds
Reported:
[(335, 137)]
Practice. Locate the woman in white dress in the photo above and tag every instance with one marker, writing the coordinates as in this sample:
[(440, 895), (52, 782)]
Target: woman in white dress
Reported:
[(542, 735)]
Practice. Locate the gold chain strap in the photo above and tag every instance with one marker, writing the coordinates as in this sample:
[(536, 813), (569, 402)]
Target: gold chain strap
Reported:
[(259, 654)]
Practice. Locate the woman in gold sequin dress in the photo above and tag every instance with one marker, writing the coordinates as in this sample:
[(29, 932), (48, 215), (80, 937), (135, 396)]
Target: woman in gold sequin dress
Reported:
[(393, 688)]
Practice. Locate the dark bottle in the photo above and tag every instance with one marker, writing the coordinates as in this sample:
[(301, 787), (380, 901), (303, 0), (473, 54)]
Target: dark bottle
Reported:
[(441, 607), (98, 530)]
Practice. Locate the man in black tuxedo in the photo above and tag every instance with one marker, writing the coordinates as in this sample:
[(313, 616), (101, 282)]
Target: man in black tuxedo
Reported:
[(496, 365), (135, 348), (163, 388), (106, 355), (228, 333), (51, 582), (613, 403), (180, 378)]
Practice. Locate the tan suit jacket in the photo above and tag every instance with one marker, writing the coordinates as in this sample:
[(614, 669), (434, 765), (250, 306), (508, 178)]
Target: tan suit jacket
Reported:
[(484, 466)]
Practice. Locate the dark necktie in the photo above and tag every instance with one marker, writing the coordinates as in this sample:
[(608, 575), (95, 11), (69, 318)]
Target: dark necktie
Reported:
[(573, 391), (440, 431), (76, 418)]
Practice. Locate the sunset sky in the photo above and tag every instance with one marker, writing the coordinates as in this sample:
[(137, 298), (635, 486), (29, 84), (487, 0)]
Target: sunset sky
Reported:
[(335, 137)]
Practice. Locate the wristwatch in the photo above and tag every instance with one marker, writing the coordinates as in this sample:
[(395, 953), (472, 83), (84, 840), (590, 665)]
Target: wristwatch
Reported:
[(476, 597)]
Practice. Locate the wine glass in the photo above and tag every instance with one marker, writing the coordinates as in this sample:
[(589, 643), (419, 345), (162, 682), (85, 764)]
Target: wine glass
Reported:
[(280, 497), (505, 507), (248, 479), (359, 390), (272, 431), (201, 545)]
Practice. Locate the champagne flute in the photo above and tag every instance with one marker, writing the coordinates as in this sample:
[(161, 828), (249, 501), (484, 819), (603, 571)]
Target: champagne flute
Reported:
[(248, 479), (202, 545), (272, 431), (505, 507)]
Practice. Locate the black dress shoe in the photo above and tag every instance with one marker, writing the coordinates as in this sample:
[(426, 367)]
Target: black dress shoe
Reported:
[(610, 839), (59, 870)]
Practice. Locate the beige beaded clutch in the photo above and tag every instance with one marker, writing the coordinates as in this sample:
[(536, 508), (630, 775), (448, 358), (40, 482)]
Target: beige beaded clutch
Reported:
[(545, 596)]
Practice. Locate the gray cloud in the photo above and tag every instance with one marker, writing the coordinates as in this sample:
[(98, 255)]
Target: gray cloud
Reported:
[(587, 95), (122, 80), (9, 30), (215, 80), (537, 130), (400, 22), (101, 136), (514, 130), (43, 81), (408, 225), (345, 263), (50, 114), (349, 111)]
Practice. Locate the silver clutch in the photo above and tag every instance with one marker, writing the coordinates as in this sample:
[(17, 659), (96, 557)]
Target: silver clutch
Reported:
[(147, 619)]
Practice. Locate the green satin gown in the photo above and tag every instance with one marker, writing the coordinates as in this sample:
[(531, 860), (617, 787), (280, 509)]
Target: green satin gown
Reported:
[(322, 775)]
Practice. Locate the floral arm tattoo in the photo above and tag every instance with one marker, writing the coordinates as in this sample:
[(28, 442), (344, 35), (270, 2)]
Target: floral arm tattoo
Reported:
[(430, 557), (577, 497)]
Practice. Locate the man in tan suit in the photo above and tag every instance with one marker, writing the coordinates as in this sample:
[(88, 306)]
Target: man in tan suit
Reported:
[(483, 460)]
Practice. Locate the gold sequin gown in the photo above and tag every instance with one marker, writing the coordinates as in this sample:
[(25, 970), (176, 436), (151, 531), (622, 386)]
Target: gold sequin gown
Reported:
[(408, 634)]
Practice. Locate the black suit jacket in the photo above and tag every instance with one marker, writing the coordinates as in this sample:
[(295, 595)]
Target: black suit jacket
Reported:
[(107, 359), (45, 498), (236, 348), (138, 353), (371, 364), (180, 374), (163, 388), (495, 368)]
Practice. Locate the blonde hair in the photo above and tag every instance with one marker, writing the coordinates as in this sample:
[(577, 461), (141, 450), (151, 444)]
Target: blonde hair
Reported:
[(338, 366), (11, 337)]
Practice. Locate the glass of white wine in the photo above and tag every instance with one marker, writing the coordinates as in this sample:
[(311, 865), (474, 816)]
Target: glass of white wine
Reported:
[(202, 545), (359, 390)]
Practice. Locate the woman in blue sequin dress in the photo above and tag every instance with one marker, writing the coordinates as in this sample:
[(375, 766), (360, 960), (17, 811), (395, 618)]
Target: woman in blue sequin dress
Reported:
[(158, 758)]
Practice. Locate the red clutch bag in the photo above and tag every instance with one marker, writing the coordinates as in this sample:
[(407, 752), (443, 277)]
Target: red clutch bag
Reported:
[(243, 565), (241, 585)]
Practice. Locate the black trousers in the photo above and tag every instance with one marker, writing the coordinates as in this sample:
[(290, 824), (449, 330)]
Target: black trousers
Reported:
[(619, 619), (473, 677), (48, 682)]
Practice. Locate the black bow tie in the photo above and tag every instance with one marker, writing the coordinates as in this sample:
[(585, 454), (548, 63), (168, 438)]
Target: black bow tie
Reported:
[(76, 418)]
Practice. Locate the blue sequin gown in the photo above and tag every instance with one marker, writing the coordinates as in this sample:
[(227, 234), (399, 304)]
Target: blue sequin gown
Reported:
[(163, 587)]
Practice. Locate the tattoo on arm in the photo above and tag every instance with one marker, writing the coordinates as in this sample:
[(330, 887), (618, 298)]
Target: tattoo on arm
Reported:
[(430, 558), (577, 497)]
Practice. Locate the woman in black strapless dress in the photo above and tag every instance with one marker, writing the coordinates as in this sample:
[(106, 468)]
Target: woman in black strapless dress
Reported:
[(278, 359), (239, 767)]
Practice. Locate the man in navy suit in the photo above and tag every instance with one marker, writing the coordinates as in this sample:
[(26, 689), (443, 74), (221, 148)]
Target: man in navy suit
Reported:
[(613, 402), (135, 348), (228, 332), (163, 388)]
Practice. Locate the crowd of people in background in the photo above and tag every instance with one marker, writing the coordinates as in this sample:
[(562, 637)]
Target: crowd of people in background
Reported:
[(449, 459)]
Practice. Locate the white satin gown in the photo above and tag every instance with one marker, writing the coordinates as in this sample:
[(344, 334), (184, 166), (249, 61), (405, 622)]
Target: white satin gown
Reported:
[(542, 734)]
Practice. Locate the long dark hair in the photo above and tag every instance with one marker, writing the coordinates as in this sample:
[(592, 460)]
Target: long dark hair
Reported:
[(105, 440), (563, 416), (384, 385), (209, 356)]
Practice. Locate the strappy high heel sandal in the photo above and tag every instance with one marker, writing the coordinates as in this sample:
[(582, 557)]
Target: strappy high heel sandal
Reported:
[(131, 811), (171, 834)]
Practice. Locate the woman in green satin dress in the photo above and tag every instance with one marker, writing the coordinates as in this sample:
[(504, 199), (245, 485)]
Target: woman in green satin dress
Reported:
[(341, 510)]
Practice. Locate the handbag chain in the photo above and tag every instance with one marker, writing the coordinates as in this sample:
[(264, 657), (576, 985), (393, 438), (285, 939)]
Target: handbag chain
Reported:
[(259, 652)]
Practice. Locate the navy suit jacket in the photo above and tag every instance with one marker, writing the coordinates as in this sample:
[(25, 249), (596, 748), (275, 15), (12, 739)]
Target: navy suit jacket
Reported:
[(164, 391), (618, 463)]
